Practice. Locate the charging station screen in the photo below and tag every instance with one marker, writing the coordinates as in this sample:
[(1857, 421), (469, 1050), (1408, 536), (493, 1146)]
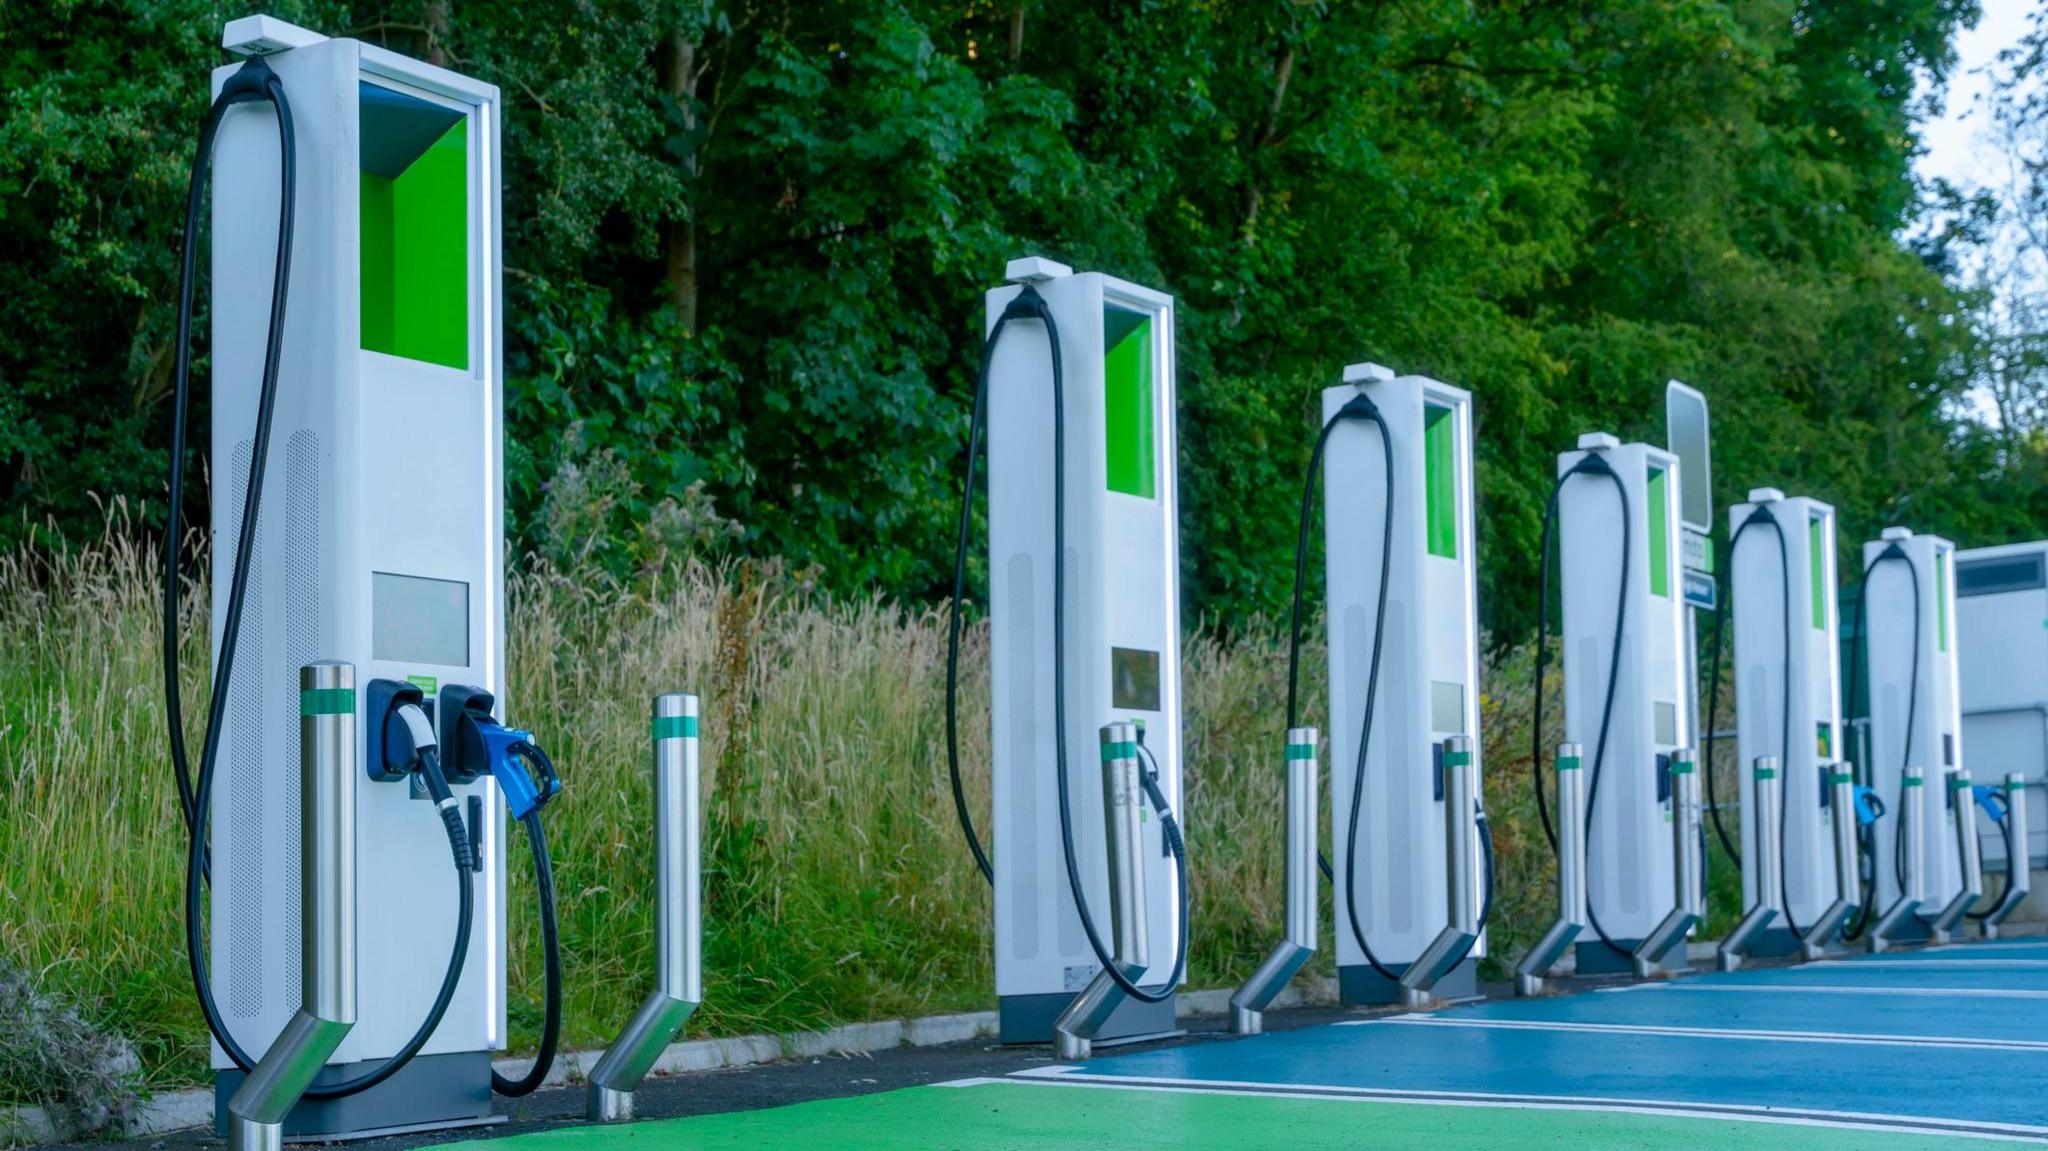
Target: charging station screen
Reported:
[(1127, 402), (418, 620), (1134, 679)]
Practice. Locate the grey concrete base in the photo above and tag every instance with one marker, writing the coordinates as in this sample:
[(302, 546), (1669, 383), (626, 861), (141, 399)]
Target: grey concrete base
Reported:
[(1359, 985), (432, 1091), (1029, 1018)]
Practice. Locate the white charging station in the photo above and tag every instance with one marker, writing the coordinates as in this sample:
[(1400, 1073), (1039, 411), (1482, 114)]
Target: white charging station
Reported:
[(2002, 654), (1777, 639), (380, 540), (1122, 626), (1915, 712), (1629, 865), (1428, 686)]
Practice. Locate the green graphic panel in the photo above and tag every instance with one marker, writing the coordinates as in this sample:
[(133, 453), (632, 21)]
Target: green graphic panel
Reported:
[(1941, 599), (1021, 1117), (1817, 566), (415, 247), (1660, 536), (1440, 480), (1127, 402)]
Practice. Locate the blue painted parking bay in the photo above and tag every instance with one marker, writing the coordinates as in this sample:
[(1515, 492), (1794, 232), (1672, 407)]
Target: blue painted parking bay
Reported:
[(1859, 1043)]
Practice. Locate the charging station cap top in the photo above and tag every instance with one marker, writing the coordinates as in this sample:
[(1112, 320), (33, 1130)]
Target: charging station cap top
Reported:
[(1367, 373), (1033, 270), (265, 35), (1599, 442), (1765, 495), (1893, 535)]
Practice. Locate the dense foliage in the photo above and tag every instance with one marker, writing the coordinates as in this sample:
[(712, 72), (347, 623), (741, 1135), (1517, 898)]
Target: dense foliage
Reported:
[(746, 245)]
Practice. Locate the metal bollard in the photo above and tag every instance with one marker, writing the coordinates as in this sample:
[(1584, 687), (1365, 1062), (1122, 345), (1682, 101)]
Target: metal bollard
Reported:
[(678, 916), (2018, 864), (1461, 843), (327, 910), (1688, 890), (1249, 1003), (1571, 874), (1914, 892), (1962, 802), (1769, 851), (1848, 894), (1123, 802)]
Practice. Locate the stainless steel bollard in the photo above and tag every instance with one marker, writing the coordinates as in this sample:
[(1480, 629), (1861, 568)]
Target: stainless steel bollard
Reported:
[(2018, 861), (678, 916), (1848, 884), (1571, 874), (1962, 803), (1688, 887), (1769, 852), (1249, 1003), (1461, 845), (1123, 802), (1913, 811), (327, 909)]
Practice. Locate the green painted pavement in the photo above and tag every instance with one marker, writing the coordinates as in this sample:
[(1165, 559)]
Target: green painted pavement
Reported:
[(1026, 1116)]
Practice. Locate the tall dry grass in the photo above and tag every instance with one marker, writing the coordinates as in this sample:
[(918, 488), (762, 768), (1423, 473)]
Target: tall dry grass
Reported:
[(836, 884)]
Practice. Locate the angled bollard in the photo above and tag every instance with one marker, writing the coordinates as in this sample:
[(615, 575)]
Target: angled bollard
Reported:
[(2018, 867), (1913, 892), (1123, 803), (1461, 845), (327, 903), (1249, 1003), (678, 916), (1535, 965), (1848, 894), (1688, 894), (1769, 852), (1962, 805)]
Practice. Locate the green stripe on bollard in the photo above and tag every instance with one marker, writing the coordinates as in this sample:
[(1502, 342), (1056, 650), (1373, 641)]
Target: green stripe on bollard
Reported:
[(675, 727), (1568, 763), (1457, 759), (1958, 783), (1766, 773), (1911, 781), (1301, 751), (1681, 767), (2012, 786), (1842, 777), (1118, 751), (327, 701)]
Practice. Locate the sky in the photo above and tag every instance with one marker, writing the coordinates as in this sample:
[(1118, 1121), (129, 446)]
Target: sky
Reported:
[(1960, 145)]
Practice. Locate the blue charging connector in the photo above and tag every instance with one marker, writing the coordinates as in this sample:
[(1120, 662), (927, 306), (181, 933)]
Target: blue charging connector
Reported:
[(1869, 807), (479, 744), (508, 753)]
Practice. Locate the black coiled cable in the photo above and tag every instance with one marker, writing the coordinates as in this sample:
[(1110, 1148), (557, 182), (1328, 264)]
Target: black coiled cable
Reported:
[(253, 82), (1592, 463)]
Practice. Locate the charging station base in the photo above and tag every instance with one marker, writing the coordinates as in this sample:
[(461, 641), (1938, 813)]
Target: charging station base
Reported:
[(430, 1093), (1359, 985), (1029, 1019)]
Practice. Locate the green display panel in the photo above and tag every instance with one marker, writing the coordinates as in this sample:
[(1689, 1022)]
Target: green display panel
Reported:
[(1127, 402), (1660, 536), (1440, 479), (1941, 599), (415, 229), (1817, 566)]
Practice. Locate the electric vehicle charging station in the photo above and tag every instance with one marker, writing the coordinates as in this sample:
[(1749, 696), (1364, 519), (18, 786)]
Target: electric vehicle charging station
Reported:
[(380, 548), (1627, 695), (2002, 658), (1400, 577), (1080, 415), (1909, 653), (1787, 693)]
